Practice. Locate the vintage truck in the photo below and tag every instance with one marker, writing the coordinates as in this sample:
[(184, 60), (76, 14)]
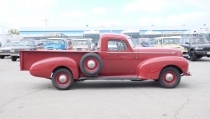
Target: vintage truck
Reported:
[(126, 62)]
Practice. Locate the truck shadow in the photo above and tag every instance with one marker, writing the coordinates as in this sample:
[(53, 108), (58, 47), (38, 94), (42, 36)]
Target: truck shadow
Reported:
[(118, 85)]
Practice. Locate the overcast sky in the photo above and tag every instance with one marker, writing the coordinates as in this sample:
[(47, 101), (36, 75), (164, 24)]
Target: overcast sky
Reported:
[(67, 13)]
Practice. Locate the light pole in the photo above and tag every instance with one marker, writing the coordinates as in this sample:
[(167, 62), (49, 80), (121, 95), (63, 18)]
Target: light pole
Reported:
[(46, 21)]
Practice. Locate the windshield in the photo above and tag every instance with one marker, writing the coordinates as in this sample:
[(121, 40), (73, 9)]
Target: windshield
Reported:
[(131, 43), (199, 41), (80, 42), (26, 43), (151, 41), (54, 41), (136, 41), (133, 35), (12, 44), (171, 41)]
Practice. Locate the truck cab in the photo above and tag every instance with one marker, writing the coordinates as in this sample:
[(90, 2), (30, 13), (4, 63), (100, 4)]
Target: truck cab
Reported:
[(55, 44)]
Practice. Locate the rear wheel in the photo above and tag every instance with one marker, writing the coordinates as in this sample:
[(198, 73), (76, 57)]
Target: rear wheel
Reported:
[(62, 79), (169, 77), (2, 57), (13, 58)]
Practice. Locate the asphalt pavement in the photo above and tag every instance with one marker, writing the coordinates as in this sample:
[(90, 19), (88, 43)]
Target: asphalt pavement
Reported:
[(23, 96)]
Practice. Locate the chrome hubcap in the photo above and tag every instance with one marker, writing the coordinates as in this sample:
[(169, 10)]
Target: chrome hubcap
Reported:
[(169, 77), (91, 64), (62, 78)]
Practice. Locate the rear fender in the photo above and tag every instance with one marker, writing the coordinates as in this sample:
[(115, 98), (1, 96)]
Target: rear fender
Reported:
[(151, 68), (44, 68)]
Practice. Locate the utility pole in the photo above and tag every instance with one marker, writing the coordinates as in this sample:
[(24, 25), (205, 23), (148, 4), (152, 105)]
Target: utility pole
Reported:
[(46, 21)]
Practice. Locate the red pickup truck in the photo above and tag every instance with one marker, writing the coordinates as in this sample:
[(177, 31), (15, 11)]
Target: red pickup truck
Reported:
[(116, 59)]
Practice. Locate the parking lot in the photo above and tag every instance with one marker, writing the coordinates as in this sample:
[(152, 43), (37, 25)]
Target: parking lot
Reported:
[(27, 97)]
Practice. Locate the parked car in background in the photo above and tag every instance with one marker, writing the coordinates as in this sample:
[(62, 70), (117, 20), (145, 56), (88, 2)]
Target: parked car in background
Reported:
[(5, 51), (195, 47), (25, 44), (169, 42), (56, 44), (83, 44)]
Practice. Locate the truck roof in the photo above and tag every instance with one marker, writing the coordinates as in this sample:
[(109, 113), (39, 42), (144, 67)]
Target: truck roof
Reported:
[(114, 35), (56, 38)]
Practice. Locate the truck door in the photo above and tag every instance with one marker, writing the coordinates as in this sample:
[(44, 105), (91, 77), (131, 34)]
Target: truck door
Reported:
[(119, 59)]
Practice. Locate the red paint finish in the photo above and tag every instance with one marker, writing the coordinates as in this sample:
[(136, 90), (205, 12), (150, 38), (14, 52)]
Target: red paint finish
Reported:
[(66, 82), (142, 62), (45, 67), (173, 80), (91, 69), (151, 68)]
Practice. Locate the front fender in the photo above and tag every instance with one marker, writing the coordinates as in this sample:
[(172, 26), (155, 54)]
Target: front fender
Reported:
[(44, 68), (151, 68)]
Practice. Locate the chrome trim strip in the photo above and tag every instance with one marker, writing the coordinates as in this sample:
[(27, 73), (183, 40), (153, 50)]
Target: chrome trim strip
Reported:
[(156, 52), (121, 52), (142, 52)]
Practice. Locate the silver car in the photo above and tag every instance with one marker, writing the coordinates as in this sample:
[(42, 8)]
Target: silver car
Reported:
[(25, 44), (5, 51)]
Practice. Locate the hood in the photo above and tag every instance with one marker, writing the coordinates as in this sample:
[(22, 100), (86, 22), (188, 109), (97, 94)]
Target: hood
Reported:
[(5, 48), (22, 47), (156, 50), (200, 45)]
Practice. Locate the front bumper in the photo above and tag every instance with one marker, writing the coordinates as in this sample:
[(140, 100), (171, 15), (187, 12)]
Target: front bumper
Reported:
[(5, 54), (15, 54), (187, 74)]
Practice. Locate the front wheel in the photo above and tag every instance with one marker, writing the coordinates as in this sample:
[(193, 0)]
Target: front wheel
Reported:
[(2, 57), (13, 58), (169, 77), (62, 79), (193, 56)]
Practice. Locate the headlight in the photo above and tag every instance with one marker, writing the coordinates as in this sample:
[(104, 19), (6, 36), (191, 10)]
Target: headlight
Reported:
[(12, 50), (198, 48)]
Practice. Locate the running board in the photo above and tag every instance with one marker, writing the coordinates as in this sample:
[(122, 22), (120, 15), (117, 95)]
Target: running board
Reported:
[(134, 78)]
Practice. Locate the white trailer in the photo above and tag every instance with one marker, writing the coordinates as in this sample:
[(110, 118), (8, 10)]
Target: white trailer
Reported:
[(4, 38)]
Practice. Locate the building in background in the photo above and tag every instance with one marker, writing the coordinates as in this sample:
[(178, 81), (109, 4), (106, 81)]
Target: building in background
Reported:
[(78, 32)]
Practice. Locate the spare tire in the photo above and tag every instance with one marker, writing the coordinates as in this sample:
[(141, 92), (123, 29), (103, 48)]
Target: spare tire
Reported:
[(91, 64)]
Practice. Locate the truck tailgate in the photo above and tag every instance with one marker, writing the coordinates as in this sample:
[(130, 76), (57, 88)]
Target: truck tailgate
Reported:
[(28, 58)]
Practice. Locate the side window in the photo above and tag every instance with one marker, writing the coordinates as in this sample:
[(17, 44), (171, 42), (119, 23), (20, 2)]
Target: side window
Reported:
[(160, 41), (156, 42), (116, 45)]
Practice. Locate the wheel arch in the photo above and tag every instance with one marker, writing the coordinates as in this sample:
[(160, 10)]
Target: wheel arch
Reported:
[(60, 67), (174, 66), (151, 68), (45, 68)]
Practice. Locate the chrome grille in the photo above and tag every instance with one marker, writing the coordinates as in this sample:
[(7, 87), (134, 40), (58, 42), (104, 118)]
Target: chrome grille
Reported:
[(5, 51), (206, 48)]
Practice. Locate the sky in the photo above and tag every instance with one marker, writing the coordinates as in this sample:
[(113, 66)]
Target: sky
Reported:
[(77, 13)]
